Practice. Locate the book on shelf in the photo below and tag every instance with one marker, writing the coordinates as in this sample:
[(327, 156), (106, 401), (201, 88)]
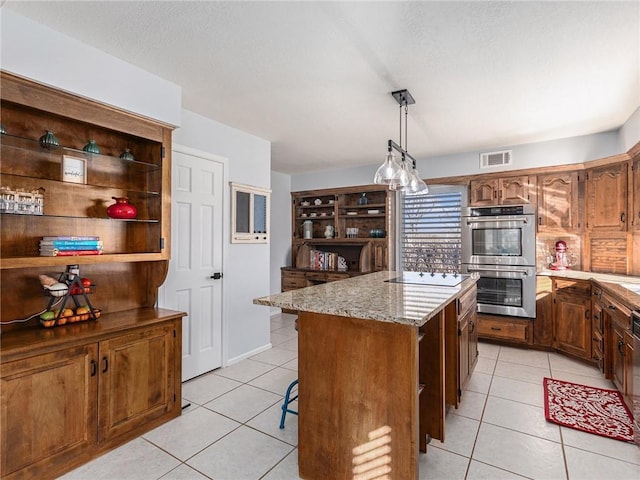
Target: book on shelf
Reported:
[(83, 238), (320, 260), (54, 252), (72, 245)]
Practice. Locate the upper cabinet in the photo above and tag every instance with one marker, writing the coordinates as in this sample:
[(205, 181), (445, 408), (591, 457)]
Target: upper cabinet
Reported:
[(635, 171), (502, 191), (558, 202), (607, 197), (80, 156)]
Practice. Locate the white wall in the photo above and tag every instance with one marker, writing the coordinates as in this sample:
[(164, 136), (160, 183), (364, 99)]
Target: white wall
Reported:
[(542, 154), (629, 134), (247, 268), (37, 52), (280, 227)]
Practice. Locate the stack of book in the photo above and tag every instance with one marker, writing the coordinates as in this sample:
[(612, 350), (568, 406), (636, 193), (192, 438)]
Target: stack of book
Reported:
[(326, 261), (70, 246)]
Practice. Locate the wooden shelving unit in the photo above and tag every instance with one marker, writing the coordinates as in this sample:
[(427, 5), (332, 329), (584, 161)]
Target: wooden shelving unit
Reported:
[(83, 367)]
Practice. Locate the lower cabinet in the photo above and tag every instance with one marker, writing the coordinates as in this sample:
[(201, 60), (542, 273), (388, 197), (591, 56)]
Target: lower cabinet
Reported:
[(507, 329), (619, 346), (60, 409), (468, 337), (572, 317)]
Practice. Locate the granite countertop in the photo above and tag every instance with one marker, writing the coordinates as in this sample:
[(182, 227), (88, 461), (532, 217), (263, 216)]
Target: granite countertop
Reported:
[(370, 297), (626, 288)]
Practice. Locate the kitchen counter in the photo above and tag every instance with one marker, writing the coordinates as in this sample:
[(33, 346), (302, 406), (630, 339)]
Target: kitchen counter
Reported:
[(372, 297), (377, 363), (626, 288)]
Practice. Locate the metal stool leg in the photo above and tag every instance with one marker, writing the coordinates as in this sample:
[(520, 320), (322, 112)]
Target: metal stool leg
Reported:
[(287, 400)]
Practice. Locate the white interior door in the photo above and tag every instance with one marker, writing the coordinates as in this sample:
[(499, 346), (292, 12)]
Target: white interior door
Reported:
[(196, 258)]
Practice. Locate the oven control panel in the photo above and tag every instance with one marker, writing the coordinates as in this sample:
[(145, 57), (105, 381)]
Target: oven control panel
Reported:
[(500, 210)]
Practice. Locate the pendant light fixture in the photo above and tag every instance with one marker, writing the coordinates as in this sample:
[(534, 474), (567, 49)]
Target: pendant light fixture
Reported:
[(401, 176)]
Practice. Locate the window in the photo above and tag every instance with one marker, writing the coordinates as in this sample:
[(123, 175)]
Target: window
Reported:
[(430, 233), (249, 214)]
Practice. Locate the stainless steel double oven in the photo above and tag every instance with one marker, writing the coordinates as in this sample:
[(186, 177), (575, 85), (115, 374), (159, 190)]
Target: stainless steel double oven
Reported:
[(499, 245)]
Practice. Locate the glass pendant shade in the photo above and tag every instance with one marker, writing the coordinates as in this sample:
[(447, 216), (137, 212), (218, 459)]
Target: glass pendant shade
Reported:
[(388, 171), (417, 185), (404, 177)]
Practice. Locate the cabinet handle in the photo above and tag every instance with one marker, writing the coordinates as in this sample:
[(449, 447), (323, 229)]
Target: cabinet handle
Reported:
[(620, 345), (587, 314), (497, 329), (539, 220), (105, 363), (495, 194), (622, 217), (94, 368), (472, 326)]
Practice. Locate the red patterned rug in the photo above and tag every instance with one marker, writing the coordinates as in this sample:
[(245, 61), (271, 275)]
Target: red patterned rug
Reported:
[(593, 410)]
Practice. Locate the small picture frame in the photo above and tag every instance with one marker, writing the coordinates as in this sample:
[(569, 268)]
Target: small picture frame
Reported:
[(74, 169)]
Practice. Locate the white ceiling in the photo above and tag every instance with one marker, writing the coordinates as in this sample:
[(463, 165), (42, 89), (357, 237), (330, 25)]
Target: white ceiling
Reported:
[(314, 78)]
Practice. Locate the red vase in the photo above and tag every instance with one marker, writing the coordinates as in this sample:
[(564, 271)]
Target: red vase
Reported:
[(122, 208)]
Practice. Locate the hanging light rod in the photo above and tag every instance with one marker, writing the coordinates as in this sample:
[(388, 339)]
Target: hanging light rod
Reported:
[(402, 176), (394, 146)]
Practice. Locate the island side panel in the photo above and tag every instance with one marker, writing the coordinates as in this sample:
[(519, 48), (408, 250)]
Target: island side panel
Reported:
[(356, 377)]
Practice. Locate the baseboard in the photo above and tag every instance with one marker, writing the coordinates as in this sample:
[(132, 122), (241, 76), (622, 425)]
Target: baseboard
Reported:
[(248, 354)]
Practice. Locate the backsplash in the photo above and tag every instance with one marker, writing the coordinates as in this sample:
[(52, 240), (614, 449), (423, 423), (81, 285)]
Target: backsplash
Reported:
[(545, 250)]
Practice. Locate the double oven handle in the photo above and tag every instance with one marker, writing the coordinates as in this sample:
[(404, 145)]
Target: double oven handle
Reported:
[(489, 269), (472, 220)]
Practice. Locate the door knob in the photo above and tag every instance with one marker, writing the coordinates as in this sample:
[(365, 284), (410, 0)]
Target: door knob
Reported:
[(216, 276)]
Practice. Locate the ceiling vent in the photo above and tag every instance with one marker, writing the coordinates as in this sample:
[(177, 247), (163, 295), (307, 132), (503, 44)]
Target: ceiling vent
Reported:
[(495, 159)]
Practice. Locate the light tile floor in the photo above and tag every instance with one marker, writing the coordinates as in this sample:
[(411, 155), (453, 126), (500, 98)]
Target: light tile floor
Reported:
[(230, 431)]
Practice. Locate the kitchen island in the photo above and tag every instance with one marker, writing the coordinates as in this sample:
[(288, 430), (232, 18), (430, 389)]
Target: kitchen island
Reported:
[(378, 362)]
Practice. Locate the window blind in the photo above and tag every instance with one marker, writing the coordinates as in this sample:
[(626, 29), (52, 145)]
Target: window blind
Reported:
[(430, 232)]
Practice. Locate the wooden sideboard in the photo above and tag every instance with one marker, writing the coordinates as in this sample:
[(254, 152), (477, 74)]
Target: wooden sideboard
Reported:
[(71, 392)]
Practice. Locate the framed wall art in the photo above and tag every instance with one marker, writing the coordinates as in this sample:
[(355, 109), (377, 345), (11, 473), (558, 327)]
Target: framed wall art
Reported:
[(74, 169)]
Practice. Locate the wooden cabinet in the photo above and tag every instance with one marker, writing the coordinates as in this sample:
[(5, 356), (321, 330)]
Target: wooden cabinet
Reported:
[(468, 337), (49, 411), (607, 207), (618, 345), (72, 392), (572, 317), (118, 385), (137, 379), (635, 212), (597, 328), (501, 191), (507, 329), (363, 234), (558, 202)]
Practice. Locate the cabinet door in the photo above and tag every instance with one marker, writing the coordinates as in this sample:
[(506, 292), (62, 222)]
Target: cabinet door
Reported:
[(514, 190), (572, 325), (607, 197), (617, 355), (463, 353), (628, 367), (558, 202), (473, 340), (597, 322), (484, 192), (380, 259), (48, 407), (137, 379), (636, 195)]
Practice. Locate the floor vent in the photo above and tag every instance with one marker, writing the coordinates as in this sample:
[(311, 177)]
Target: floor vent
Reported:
[(495, 159)]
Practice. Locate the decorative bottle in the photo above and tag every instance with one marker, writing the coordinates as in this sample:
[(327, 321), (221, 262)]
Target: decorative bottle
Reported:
[(49, 140), (122, 209), (91, 147)]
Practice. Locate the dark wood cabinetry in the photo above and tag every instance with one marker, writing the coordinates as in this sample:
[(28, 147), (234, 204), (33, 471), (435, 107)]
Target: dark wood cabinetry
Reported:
[(72, 392), (558, 202), (351, 234), (635, 210), (502, 191), (607, 208), (597, 328), (572, 317), (618, 345)]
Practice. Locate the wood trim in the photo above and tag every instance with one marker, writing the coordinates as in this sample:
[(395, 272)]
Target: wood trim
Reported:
[(26, 92)]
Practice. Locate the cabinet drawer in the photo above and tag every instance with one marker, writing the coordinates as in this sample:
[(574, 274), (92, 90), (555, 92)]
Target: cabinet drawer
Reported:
[(565, 286), (334, 277), (619, 312), (467, 301), (504, 330)]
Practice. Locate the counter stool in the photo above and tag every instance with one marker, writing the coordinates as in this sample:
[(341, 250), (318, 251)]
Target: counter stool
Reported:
[(288, 398)]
